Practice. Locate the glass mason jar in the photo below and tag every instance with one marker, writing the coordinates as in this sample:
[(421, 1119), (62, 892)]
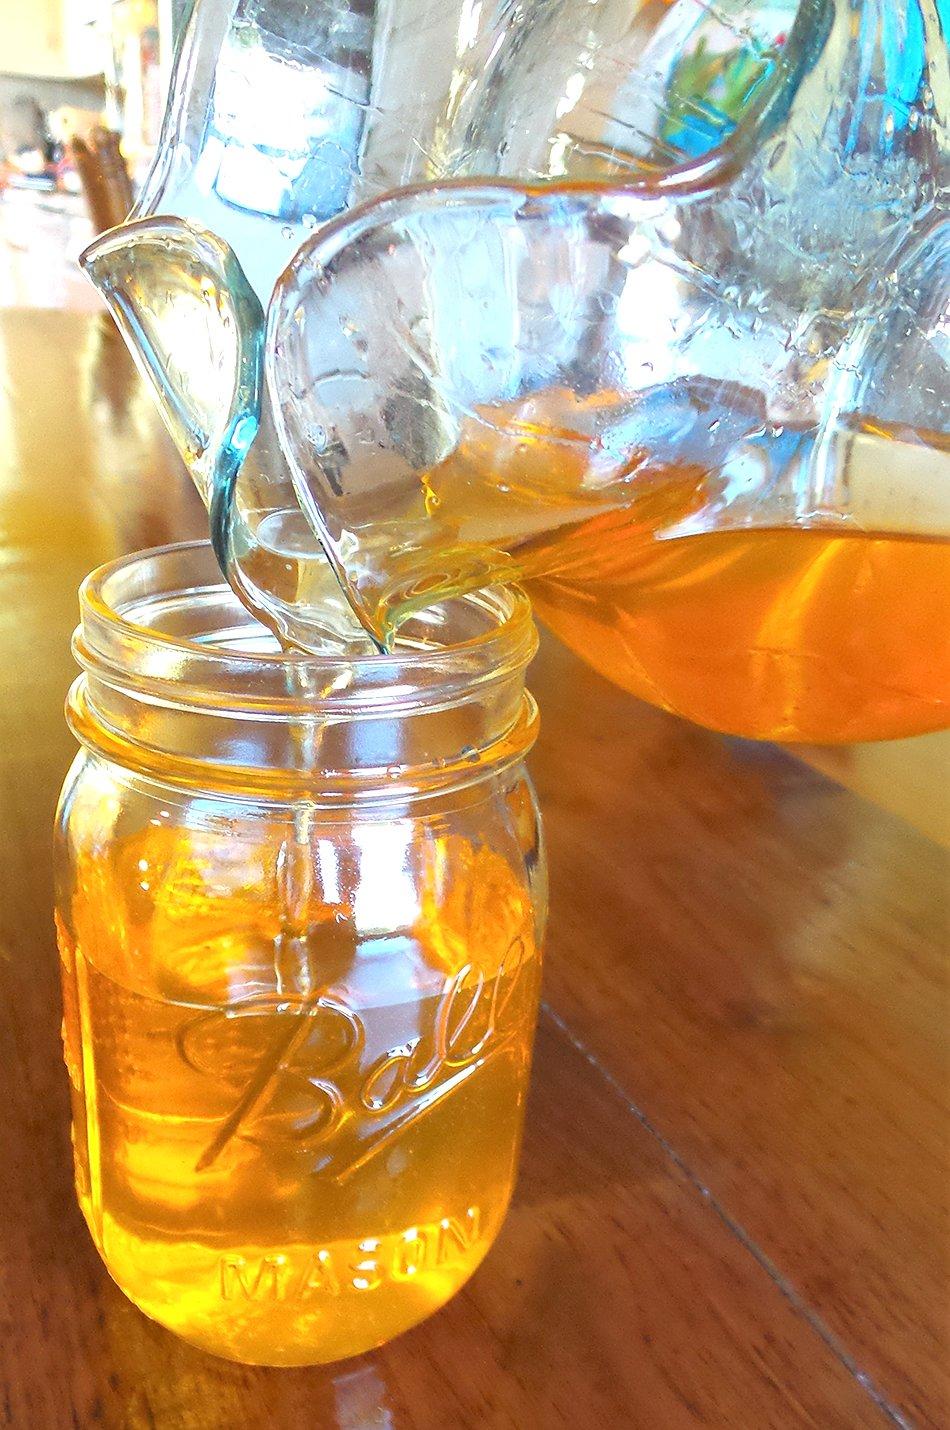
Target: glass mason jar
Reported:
[(300, 905)]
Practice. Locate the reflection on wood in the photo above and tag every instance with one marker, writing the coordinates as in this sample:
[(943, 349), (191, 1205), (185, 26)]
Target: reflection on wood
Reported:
[(911, 778)]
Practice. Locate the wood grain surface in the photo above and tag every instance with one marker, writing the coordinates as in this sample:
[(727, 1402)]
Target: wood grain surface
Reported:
[(730, 1204)]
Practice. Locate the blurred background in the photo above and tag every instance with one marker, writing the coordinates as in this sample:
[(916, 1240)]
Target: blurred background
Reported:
[(82, 90)]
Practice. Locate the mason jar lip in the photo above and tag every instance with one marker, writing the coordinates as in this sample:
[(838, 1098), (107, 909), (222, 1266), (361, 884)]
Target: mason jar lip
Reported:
[(91, 597), (422, 720), (115, 647)]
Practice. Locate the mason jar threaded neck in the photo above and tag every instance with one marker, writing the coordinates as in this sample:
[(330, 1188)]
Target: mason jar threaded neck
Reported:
[(182, 685)]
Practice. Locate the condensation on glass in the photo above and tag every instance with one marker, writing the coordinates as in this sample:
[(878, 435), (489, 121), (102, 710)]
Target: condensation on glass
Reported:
[(300, 905)]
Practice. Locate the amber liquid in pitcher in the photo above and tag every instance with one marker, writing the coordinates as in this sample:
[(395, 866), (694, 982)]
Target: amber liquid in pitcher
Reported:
[(787, 634), (824, 633), (289, 1167)]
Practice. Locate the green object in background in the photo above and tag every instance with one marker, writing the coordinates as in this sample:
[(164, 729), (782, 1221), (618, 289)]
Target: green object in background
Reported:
[(707, 94)]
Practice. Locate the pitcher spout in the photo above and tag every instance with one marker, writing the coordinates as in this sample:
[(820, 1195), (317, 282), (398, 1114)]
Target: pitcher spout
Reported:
[(194, 327)]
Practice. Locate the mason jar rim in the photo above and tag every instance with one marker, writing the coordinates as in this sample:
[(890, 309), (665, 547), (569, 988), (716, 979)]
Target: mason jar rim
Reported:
[(175, 688), (114, 641)]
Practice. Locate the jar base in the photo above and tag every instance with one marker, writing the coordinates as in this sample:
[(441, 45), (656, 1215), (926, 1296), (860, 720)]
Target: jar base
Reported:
[(299, 1306)]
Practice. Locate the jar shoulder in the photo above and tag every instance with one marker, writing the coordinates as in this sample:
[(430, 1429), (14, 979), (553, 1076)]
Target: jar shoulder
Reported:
[(166, 889)]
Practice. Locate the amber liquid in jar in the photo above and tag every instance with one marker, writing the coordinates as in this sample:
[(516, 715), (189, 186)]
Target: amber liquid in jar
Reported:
[(299, 914), (293, 1173)]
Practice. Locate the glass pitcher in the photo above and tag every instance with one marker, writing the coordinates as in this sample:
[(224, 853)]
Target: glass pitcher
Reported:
[(478, 384), (639, 399)]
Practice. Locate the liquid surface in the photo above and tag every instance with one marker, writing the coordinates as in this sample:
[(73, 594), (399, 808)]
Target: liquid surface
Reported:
[(291, 1145), (821, 633), (781, 635)]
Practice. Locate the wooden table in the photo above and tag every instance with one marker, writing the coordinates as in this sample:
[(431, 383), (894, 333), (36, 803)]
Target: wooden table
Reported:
[(729, 1205)]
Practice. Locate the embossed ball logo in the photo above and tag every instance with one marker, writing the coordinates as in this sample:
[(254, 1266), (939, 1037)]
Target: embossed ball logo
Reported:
[(301, 1076)]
